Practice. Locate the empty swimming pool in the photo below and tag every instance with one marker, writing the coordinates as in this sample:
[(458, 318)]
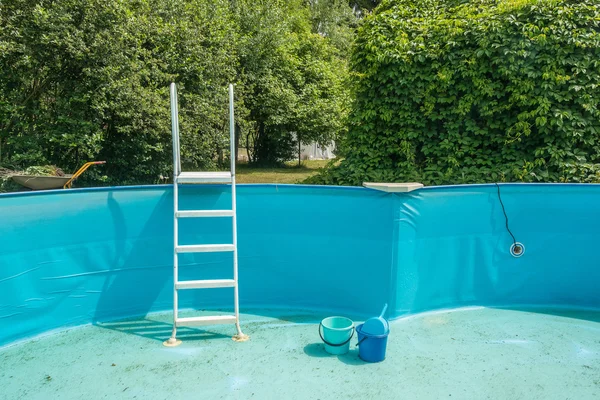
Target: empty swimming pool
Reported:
[(86, 292)]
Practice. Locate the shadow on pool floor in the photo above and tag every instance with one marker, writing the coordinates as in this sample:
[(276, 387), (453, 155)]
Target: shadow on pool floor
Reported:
[(462, 354), (158, 330), (583, 314)]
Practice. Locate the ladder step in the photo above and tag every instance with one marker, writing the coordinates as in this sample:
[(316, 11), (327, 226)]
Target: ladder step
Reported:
[(204, 213), (204, 248), (205, 284), (204, 177), (209, 320)]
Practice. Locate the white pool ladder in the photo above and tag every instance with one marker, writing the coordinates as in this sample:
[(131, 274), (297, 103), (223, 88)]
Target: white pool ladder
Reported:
[(180, 177)]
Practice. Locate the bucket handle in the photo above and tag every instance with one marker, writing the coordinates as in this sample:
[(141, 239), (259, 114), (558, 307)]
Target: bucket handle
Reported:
[(361, 340), (331, 344)]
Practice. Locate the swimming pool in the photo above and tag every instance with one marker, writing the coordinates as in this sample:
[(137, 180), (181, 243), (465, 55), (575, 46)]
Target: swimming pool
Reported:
[(95, 256)]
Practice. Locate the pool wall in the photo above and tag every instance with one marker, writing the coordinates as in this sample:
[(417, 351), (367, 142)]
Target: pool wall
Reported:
[(73, 257), (452, 247)]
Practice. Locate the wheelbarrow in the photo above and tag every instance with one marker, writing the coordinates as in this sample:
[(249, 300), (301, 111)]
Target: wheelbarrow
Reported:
[(41, 182)]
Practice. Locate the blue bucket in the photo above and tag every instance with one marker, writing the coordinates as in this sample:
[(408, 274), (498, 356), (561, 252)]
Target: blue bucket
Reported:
[(371, 348), (337, 332)]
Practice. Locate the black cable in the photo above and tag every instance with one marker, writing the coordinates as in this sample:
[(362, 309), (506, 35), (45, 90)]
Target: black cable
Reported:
[(505, 216)]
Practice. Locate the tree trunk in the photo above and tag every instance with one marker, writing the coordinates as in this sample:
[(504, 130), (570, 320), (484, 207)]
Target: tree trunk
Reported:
[(236, 134), (249, 145), (299, 151), (261, 147)]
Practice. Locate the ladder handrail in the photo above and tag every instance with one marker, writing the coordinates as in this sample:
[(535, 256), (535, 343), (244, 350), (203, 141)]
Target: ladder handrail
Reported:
[(176, 172), (231, 131), (175, 130), (233, 208)]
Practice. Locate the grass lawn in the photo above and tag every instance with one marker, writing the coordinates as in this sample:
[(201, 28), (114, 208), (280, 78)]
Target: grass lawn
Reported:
[(291, 173)]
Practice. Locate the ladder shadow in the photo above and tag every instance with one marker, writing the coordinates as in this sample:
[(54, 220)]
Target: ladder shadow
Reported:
[(159, 331), (121, 277)]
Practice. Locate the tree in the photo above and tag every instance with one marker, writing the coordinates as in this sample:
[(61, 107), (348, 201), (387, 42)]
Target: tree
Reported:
[(360, 6), (292, 80), (464, 92), (82, 80), (336, 21)]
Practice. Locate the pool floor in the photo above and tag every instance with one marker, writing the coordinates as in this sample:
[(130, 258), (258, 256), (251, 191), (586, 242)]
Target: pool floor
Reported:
[(478, 353)]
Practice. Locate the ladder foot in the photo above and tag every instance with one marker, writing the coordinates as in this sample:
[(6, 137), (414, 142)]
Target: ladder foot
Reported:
[(172, 342), (240, 338)]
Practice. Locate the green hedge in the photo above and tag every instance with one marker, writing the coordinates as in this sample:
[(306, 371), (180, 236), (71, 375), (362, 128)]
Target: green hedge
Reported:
[(475, 91)]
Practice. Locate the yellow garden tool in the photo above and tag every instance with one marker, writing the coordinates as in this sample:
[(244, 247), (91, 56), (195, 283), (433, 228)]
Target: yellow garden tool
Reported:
[(81, 171)]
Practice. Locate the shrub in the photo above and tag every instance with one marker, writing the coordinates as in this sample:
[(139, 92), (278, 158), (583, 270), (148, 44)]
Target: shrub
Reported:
[(475, 91)]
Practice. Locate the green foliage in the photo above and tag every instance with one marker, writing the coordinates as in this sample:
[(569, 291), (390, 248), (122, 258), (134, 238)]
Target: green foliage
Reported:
[(336, 21), (364, 5), (292, 80), (84, 80), (6, 182), (457, 91), (44, 170)]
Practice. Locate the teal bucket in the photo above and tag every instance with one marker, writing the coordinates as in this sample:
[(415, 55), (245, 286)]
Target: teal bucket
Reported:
[(337, 332)]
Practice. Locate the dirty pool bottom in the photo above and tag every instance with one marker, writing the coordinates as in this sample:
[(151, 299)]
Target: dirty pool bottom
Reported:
[(476, 353)]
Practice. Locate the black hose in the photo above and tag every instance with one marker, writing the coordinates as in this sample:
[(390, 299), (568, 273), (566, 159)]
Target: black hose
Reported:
[(505, 216)]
